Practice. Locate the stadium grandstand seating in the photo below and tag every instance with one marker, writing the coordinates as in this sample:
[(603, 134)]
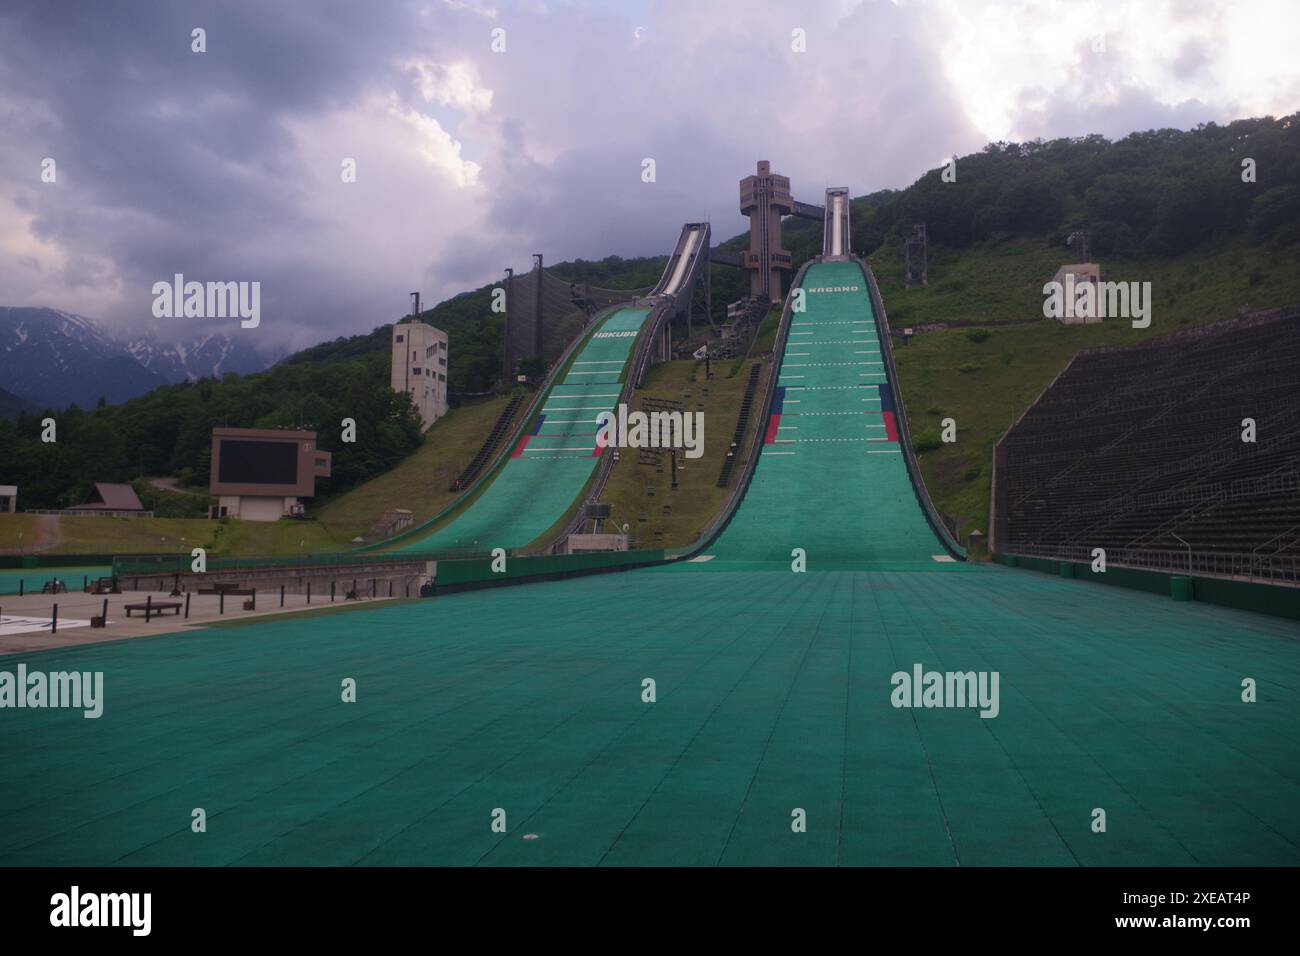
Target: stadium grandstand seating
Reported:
[(1139, 451)]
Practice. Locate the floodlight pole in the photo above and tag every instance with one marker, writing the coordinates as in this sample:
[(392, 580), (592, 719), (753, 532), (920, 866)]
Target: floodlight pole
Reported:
[(537, 325)]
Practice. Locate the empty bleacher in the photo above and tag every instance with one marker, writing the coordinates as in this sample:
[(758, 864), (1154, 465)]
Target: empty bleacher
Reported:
[(1139, 451)]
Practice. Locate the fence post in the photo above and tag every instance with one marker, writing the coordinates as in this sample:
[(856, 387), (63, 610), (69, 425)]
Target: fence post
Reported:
[(221, 602), (104, 612), (54, 621), (21, 582), (187, 605), (309, 591), (281, 595), (331, 590), (148, 607)]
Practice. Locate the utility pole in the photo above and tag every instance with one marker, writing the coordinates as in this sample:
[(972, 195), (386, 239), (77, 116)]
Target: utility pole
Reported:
[(537, 317), (916, 255), (507, 373)]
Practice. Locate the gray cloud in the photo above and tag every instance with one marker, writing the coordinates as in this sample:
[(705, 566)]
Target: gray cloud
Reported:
[(225, 165)]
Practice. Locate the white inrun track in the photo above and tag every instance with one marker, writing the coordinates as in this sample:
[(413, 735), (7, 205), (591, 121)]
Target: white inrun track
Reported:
[(683, 261), (837, 225)]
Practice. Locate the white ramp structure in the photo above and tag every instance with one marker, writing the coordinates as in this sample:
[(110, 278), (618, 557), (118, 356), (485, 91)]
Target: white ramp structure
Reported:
[(835, 232)]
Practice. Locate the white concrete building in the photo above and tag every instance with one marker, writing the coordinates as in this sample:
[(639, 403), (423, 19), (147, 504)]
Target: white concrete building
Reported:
[(1070, 278), (419, 367)]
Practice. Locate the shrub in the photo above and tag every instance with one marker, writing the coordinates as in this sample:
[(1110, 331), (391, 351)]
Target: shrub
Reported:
[(926, 441)]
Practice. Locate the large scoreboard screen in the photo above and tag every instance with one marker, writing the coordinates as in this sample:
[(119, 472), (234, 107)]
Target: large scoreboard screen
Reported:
[(246, 461)]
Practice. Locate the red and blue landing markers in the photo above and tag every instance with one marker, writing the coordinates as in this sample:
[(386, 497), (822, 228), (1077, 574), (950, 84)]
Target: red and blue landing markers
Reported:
[(598, 447), (887, 412), (774, 418), (523, 442)]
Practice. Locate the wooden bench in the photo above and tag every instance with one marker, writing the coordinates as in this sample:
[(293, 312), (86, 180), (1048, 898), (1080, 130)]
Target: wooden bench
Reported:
[(155, 607), (233, 590)]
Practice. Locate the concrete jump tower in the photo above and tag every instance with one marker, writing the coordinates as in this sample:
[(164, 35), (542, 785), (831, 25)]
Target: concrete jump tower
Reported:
[(765, 198)]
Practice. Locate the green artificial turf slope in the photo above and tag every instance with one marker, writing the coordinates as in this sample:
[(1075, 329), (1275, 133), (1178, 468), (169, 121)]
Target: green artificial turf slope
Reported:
[(773, 693)]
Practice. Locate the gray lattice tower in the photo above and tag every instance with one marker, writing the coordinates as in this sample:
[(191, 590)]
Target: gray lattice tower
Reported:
[(916, 254), (538, 314)]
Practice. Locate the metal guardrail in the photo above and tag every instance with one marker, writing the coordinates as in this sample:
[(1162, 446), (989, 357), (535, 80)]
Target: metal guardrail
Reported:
[(922, 493), (661, 313), (1267, 568), (488, 472), (637, 363), (131, 565), (87, 513), (763, 407)]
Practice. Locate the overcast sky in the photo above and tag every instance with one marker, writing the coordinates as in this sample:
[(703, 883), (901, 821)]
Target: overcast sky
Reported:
[(226, 165)]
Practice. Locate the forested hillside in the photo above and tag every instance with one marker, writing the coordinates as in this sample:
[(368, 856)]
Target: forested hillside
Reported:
[(1162, 203), (169, 431)]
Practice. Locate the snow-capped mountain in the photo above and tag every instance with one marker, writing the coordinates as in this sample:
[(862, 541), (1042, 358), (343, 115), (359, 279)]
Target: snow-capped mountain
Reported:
[(205, 356), (54, 358)]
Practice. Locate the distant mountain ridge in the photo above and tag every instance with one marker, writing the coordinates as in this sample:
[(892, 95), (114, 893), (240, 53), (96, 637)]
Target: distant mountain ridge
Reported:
[(54, 358)]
